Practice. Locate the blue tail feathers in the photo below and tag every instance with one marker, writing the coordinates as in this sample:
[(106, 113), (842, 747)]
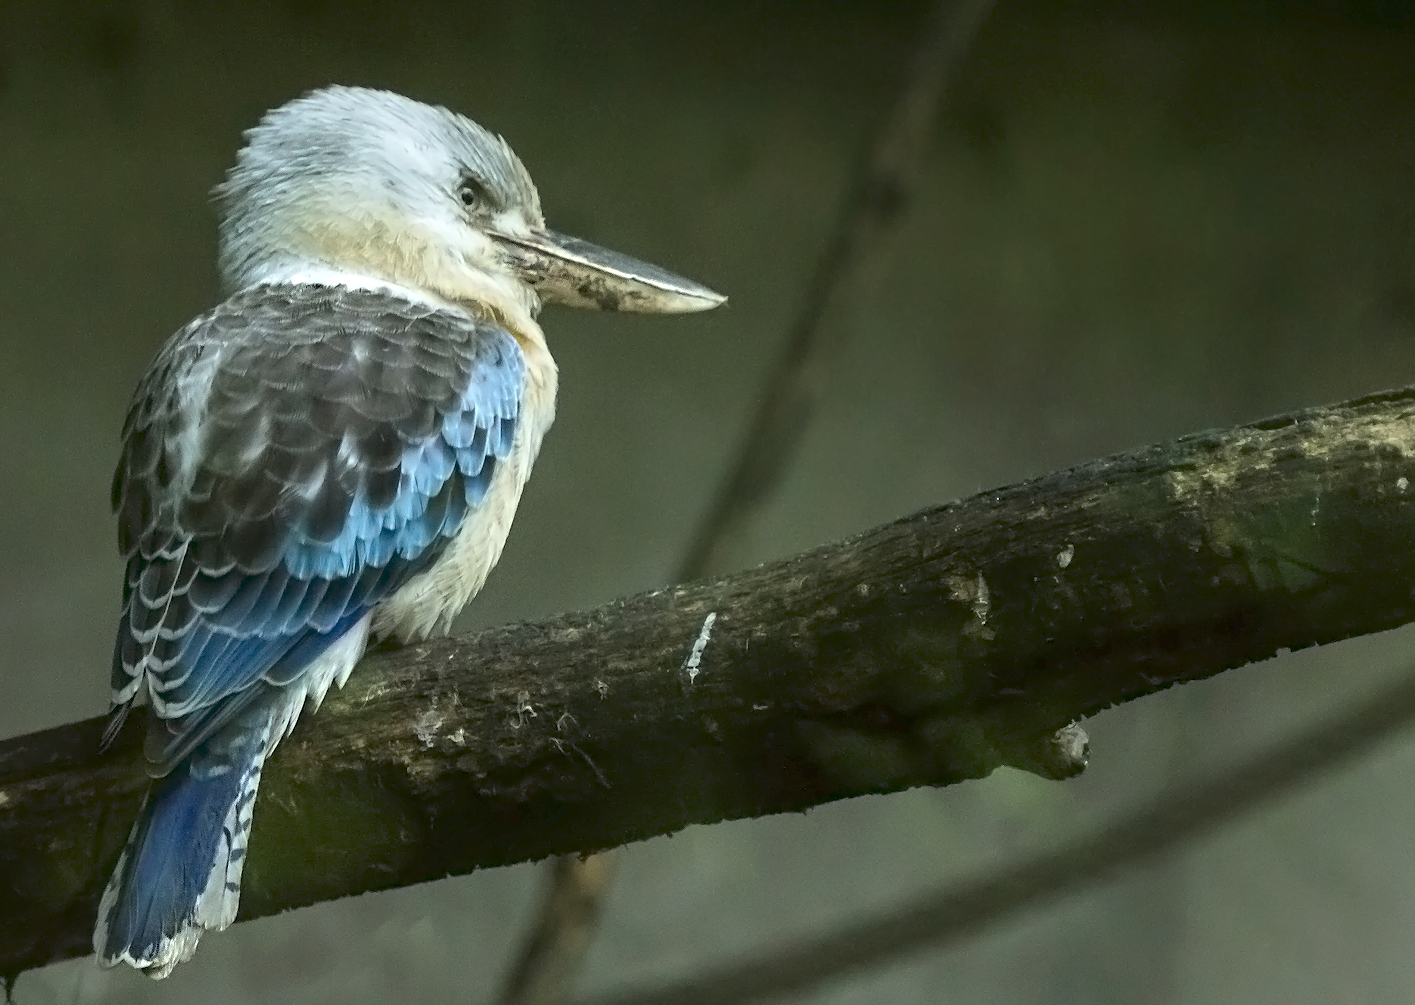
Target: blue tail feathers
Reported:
[(180, 873)]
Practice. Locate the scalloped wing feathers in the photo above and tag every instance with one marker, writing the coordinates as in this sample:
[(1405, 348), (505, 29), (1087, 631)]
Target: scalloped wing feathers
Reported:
[(291, 459)]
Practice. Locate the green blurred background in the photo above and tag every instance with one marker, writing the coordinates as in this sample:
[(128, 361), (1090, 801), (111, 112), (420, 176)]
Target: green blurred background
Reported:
[(1137, 219)]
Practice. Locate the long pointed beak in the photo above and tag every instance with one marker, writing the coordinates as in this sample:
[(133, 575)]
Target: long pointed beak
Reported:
[(567, 270)]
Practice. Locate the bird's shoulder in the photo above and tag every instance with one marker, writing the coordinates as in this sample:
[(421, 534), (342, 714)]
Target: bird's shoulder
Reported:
[(299, 334), (282, 387)]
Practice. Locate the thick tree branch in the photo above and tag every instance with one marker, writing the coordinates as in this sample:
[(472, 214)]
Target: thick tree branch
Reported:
[(927, 651)]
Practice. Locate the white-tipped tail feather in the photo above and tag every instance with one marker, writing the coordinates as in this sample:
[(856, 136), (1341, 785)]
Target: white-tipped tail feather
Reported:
[(180, 873)]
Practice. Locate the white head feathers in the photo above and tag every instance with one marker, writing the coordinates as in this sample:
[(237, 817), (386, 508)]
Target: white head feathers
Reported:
[(353, 180)]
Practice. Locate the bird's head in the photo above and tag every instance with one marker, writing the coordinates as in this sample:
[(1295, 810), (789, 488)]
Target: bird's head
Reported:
[(348, 179)]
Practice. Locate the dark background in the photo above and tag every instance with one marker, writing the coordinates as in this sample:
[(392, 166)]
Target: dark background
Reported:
[(1137, 220)]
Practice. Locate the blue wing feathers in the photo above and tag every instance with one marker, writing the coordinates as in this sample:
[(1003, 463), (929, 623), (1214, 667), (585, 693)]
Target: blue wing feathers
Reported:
[(309, 603), (309, 647), (338, 454), (507, 427), (291, 599), (210, 593), (333, 604)]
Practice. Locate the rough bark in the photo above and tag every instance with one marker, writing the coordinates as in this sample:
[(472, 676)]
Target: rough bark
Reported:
[(930, 650)]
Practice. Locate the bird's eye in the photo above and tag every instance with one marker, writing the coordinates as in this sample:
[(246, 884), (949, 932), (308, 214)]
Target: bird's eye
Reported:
[(472, 194)]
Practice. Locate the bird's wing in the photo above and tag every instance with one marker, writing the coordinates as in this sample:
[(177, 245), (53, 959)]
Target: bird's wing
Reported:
[(290, 460)]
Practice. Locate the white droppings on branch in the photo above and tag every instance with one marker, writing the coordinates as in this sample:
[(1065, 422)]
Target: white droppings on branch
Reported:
[(427, 725), (1402, 483), (975, 593), (523, 709), (695, 658), (982, 599), (1065, 555)]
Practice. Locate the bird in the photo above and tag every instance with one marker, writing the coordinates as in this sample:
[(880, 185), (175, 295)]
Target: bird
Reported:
[(334, 452)]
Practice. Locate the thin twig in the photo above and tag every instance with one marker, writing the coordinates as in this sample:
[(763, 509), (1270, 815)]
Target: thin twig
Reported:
[(571, 908), (943, 918), (881, 192), (882, 189)]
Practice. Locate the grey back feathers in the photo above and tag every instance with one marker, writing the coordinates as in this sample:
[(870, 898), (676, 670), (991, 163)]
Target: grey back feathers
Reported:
[(351, 164), (343, 436)]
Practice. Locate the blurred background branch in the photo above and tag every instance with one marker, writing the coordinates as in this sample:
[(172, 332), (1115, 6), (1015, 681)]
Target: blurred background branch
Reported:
[(879, 197), (552, 951), (546, 963)]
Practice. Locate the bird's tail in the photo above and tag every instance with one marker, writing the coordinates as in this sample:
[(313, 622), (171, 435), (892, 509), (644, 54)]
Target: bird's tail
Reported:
[(180, 874)]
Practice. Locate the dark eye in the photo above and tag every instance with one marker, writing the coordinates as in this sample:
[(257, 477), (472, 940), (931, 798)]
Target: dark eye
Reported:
[(472, 194)]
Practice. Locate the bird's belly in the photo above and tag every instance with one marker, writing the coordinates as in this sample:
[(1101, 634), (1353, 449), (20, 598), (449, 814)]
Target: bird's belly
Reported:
[(429, 602)]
